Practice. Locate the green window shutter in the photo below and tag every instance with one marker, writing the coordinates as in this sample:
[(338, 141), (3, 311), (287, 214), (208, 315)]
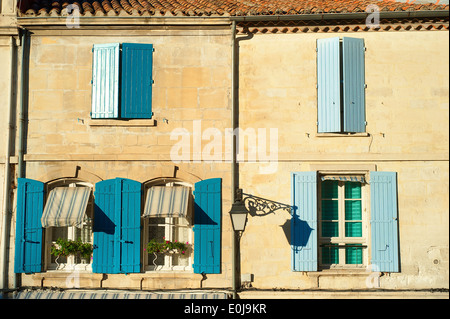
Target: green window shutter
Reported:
[(304, 221), (384, 221), (353, 52), (105, 80)]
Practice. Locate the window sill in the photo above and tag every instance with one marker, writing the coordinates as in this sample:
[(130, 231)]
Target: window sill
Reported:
[(342, 135), (116, 122)]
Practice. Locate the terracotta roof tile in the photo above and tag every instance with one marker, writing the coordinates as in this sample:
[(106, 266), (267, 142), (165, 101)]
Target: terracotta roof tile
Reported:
[(215, 7)]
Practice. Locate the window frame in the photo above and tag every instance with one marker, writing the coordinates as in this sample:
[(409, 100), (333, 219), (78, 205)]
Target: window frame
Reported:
[(342, 240), (169, 226), (70, 264), (345, 82)]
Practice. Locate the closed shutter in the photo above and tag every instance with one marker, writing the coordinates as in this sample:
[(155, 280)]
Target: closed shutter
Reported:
[(384, 221), (328, 86), (105, 81), (105, 260), (354, 84), (28, 244), (117, 231), (304, 221), (136, 81), (207, 226), (129, 192)]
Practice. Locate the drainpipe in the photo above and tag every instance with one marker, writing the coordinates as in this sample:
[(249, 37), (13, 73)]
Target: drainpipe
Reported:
[(22, 120), (24, 62), (7, 174), (234, 177)]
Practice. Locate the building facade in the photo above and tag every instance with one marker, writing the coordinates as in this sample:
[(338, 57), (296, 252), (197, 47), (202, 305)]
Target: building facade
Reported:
[(124, 121)]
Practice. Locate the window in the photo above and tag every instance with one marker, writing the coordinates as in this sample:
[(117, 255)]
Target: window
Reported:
[(342, 226), (122, 81), (331, 227), (83, 232), (168, 229), (341, 85)]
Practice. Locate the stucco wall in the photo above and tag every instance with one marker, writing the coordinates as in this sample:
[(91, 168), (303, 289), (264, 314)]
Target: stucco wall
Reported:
[(407, 115)]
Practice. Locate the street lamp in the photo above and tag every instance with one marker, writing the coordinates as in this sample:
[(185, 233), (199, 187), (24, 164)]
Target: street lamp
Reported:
[(238, 215)]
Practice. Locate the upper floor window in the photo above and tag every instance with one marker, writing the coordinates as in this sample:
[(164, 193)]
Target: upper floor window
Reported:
[(341, 85), (122, 81)]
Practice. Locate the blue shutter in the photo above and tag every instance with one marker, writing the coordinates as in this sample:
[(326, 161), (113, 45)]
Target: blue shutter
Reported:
[(384, 221), (28, 246), (105, 81), (137, 81), (354, 84), (105, 260), (304, 221), (130, 225), (207, 226), (328, 86)]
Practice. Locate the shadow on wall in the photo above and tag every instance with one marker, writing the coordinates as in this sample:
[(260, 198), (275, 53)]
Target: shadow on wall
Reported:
[(260, 207)]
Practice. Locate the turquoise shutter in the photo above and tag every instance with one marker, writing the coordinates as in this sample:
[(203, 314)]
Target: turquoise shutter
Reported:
[(105, 259), (28, 246), (136, 80), (207, 226), (130, 225), (328, 86), (354, 85), (304, 221), (384, 221), (105, 81)]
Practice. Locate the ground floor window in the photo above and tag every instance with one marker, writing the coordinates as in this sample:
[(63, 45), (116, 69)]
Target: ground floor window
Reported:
[(81, 233), (167, 229), (342, 224)]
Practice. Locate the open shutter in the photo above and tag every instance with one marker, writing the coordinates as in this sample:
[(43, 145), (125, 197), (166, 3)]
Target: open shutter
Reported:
[(105, 81), (207, 226), (384, 221), (354, 84), (328, 86), (136, 81), (304, 221), (28, 247), (130, 225), (105, 260)]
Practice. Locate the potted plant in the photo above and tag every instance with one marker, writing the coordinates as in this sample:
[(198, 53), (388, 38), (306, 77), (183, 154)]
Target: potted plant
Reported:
[(166, 247), (68, 247)]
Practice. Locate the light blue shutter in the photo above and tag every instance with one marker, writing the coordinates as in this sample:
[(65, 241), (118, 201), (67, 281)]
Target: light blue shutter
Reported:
[(136, 81), (105, 260), (384, 221), (28, 245), (304, 221), (105, 81), (207, 226), (354, 84), (328, 86), (129, 193)]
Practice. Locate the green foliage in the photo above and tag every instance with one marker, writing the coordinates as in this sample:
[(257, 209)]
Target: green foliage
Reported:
[(66, 247), (167, 246)]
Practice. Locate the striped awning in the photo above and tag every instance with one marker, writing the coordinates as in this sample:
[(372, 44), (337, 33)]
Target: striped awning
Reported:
[(344, 178), (167, 201), (111, 294), (65, 206)]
